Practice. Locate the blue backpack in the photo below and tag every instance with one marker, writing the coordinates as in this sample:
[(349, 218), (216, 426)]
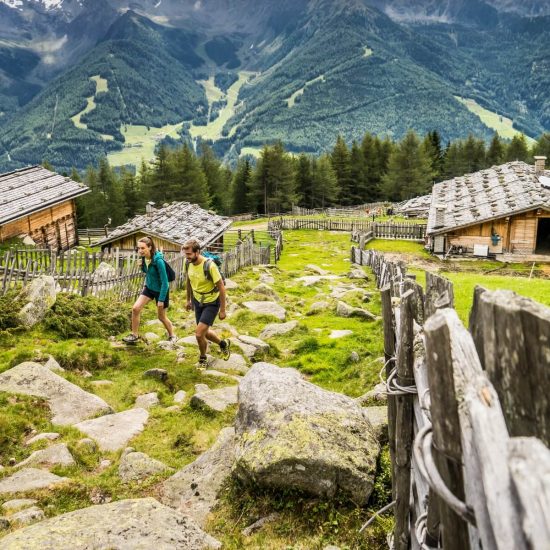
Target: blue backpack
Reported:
[(211, 257)]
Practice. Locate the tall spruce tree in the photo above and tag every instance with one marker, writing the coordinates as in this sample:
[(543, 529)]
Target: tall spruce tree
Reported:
[(340, 158), (325, 184), (542, 146), (409, 171), (191, 184), (304, 181), (211, 167), (242, 181), (473, 153), (495, 153), (517, 149), (358, 175)]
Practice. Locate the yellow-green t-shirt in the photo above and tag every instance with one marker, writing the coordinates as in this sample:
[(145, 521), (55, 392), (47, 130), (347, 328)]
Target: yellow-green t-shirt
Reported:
[(200, 284)]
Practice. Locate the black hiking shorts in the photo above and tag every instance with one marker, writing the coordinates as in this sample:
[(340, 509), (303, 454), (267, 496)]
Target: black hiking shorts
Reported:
[(154, 295), (206, 313)]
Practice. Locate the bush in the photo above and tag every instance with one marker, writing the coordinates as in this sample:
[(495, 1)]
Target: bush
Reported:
[(9, 304), (85, 317)]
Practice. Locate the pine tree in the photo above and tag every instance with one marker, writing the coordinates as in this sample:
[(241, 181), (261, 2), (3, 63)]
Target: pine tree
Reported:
[(495, 153), (409, 171), (304, 181), (191, 184), (241, 183), (454, 160), (113, 196), (432, 147), (131, 193), (542, 146), (75, 176), (340, 159), (517, 150), (358, 190), (473, 153), (162, 179), (211, 168), (325, 185)]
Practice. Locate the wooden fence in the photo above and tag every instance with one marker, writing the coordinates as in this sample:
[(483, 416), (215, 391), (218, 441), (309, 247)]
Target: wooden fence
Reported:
[(379, 230), (91, 235), (469, 414), (113, 274)]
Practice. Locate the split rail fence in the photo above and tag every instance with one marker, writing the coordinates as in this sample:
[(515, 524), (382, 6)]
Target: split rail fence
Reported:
[(114, 274), (469, 414)]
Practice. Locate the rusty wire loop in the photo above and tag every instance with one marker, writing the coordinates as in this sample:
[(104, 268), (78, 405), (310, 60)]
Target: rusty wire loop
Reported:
[(428, 469)]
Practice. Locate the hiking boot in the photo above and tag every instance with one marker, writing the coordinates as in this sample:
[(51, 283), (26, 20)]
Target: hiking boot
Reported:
[(172, 339), (131, 339), (224, 347), (202, 363)]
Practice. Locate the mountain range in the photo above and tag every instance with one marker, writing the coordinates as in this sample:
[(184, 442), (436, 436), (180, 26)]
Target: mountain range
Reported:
[(84, 78)]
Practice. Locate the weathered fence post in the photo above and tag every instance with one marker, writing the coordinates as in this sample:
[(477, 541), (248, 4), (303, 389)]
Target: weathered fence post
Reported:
[(512, 336), (404, 423)]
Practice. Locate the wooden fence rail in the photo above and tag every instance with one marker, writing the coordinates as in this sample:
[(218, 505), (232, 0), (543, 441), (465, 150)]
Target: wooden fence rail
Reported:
[(112, 274), (468, 412), (379, 230)]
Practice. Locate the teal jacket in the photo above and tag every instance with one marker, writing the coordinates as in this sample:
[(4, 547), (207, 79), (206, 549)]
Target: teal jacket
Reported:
[(155, 276)]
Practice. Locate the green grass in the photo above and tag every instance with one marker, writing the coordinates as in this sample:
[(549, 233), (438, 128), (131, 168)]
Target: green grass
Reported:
[(178, 437)]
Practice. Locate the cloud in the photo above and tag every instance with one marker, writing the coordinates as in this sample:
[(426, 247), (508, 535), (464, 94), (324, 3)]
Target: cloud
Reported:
[(197, 5)]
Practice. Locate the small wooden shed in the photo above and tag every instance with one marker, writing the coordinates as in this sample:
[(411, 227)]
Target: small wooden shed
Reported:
[(169, 226), (504, 209), (38, 203)]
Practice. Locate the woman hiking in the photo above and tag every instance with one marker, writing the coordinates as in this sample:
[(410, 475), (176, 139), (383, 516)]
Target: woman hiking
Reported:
[(156, 288)]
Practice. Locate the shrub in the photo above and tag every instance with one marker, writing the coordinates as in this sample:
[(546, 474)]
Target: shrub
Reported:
[(9, 304), (74, 316)]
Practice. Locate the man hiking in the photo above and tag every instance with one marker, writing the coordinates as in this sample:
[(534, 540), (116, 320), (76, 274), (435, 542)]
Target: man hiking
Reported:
[(206, 296)]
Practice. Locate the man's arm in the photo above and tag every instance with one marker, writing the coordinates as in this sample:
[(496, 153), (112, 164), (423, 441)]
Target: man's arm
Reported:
[(189, 292), (221, 289)]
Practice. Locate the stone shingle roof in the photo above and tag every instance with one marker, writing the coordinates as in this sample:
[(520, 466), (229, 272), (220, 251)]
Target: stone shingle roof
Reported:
[(33, 189), (489, 194), (176, 223), (419, 206)]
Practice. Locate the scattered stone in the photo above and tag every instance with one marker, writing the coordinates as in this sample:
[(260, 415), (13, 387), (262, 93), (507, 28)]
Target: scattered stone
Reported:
[(295, 435), (180, 396), (56, 455), (354, 357), (227, 327), (168, 345), (159, 374), (68, 403), (194, 489), (224, 375), (316, 269), (147, 400), (266, 308), (331, 547), (133, 523), (357, 273), (267, 279), (247, 349), (101, 383), (189, 340), (232, 309), (18, 504), (29, 479), (301, 303), (265, 290), (105, 463), (113, 431), (230, 285), (39, 296), (310, 280), (128, 450), (261, 346), (318, 307), (173, 408), (50, 436), (103, 272), (378, 393), (84, 373), (150, 337), (345, 310), (341, 289), (27, 516), (216, 400), (236, 362), (278, 329), (153, 322), (87, 444), (257, 525), (98, 496), (4, 523), (201, 388), (53, 365), (334, 334), (139, 466)]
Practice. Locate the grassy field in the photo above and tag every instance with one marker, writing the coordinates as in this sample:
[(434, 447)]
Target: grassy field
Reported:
[(101, 86), (213, 130), (178, 437), (140, 143), (291, 101), (501, 124)]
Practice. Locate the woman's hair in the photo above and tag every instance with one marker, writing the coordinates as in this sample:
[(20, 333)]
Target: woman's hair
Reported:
[(150, 244), (193, 244)]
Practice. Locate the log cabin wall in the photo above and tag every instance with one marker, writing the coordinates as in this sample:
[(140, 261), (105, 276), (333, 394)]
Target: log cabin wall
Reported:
[(518, 234), (129, 242), (53, 227)]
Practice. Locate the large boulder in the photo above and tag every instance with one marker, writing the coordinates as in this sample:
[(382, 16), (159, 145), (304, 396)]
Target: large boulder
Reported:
[(39, 296), (278, 329), (125, 524), (69, 403), (194, 489), (29, 479), (292, 434), (136, 466), (217, 400)]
